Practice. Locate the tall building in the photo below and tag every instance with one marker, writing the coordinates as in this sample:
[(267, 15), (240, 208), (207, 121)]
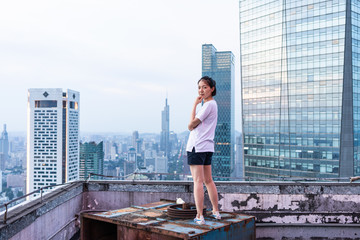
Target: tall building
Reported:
[(161, 164), (0, 181), (91, 159), (52, 137), (165, 129), (136, 141), (4, 148), (135, 136), (131, 162), (300, 88), (239, 157), (220, 67)]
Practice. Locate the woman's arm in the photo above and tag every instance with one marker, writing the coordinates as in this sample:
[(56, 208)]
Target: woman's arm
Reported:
[(194, 122)]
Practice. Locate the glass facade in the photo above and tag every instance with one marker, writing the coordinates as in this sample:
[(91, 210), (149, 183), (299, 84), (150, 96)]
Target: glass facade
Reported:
[(220, 67), (91, 160), (299, 93), (355, 30)]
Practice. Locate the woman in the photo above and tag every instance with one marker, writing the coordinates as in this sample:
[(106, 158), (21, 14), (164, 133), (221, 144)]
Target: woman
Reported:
[(200, 147)]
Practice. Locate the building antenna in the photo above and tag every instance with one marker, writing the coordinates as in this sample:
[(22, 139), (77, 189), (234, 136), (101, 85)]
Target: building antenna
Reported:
[(166, 95)]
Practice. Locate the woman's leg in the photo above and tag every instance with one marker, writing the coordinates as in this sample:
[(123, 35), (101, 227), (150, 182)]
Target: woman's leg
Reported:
[(211, 188), (197, 172)]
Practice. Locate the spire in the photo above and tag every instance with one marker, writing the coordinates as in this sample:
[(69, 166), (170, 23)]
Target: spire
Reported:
[(166, 97), (4, 134)]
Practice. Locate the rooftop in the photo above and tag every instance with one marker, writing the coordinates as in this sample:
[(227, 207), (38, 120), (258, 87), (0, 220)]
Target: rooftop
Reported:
[(289, 210)]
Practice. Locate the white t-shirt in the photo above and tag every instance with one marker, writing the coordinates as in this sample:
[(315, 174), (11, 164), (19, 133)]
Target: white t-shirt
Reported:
[(202, 137)]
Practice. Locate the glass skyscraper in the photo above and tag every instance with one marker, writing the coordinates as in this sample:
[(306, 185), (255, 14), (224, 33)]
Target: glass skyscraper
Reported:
[(220, 67), (4, 148), (300, 88), (165, 130), (91, 159)]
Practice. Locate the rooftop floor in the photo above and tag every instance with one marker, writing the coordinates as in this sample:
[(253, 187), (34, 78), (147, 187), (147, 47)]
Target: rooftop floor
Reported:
[(290, 210)]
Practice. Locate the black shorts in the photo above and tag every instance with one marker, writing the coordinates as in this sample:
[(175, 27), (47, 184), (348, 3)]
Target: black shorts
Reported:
[(199, 158)]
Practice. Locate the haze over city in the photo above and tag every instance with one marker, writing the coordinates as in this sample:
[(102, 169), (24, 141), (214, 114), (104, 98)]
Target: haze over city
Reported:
[(123, 57)]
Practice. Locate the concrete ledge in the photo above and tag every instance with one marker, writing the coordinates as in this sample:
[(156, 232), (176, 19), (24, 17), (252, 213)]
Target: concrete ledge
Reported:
[(280, 208), (29, 213)]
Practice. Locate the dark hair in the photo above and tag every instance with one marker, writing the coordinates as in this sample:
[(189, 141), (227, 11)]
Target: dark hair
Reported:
[(211, 82)]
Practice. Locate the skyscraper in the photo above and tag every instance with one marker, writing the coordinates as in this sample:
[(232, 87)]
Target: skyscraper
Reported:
[(4, 148), (52, 137), (131, 162), (91, 159), (300, 88), (134, 141), (220, 67), (165, 130)]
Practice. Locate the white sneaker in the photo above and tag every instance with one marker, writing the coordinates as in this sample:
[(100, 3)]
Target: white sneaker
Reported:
[(200, 220), (216, 215)]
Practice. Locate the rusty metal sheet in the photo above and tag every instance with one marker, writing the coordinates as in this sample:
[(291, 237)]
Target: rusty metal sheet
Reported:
[(158, 204), (186, 230), (116, 213), (152, 220), (153, 213)]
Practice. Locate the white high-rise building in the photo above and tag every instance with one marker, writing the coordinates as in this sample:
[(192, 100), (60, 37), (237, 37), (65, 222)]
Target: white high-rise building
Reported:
[(52, 137)]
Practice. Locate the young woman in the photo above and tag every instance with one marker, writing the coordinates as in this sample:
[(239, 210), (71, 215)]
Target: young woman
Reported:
[(200, 147)]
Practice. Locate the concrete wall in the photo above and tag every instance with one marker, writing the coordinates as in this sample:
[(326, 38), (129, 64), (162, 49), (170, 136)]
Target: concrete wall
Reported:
[(295, 203), (62, 219), (42, 218)]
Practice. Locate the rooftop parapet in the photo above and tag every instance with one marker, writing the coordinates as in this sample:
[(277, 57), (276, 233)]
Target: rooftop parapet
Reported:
[(282, 209)]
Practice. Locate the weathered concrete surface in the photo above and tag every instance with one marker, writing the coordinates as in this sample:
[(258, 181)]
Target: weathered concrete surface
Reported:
[(308, 203), (110, 195), (46, 226), (56, 209), (283, 210), (303, 232)]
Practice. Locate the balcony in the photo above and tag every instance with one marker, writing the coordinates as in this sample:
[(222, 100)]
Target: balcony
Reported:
[(283, 210)]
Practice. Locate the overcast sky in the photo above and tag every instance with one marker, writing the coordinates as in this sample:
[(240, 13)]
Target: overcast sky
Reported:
[(124, 57)]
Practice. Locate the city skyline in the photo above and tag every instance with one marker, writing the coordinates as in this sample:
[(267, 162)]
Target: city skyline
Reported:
[(130, 69)]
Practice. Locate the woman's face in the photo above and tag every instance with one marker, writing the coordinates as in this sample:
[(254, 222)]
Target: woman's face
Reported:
[(204, 90)]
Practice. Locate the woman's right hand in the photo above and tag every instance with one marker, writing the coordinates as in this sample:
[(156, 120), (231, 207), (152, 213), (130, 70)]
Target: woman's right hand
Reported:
[(198, 100)]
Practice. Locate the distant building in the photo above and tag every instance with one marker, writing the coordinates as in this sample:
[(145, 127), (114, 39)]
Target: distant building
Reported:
[(300, 88), (239, 158), (149, 157), (135, 138), (130, 163), (161, 164), (53, 137), (220, 67), (123, 147), (107, 150), (4, 148), (173, 143), (91, 159), (113, 151), (138, 146), (165, 130), (2, 162)]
